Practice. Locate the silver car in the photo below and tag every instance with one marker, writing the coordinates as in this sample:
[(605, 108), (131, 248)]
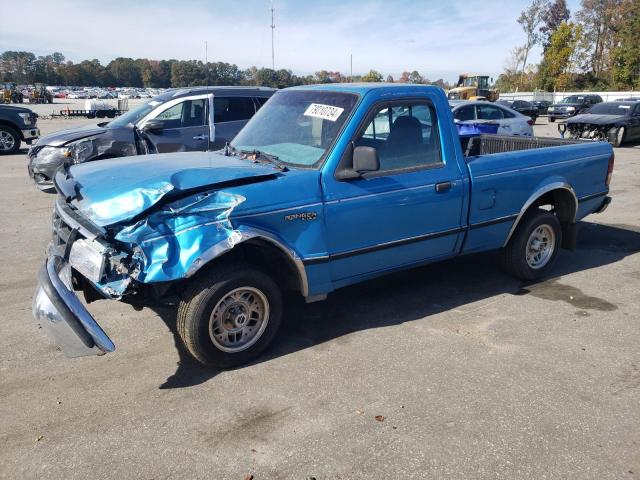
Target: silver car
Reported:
[(509, 121)]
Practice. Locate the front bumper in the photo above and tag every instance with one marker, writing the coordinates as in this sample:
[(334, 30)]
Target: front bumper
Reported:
[(63, 316), (30, 134), (561, 114), (42, 175)]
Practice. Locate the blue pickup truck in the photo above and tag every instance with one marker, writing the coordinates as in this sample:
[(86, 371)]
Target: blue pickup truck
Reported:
[(325, 187)]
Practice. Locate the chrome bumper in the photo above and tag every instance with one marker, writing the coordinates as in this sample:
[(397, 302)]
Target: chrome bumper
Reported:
[(63, 317), (30, 133)]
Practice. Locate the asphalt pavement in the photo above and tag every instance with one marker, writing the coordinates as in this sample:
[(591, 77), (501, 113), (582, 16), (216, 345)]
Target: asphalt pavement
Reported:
[(449, 371)]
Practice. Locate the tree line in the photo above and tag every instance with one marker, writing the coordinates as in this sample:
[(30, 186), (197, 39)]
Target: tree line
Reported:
[(54, 69), (597, 48)]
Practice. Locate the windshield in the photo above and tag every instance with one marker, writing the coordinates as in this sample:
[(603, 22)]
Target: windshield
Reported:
[(611, 109), (132, 116), (573, 99), (298, 127)]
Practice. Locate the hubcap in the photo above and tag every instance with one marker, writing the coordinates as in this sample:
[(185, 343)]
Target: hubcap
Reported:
[(540, 246), (7, 141), (239, 319)]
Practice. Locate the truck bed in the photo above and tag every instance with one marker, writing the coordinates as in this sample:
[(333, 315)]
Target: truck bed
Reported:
[(489, 144)]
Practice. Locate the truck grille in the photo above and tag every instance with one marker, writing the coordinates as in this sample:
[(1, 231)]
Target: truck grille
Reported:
[(61, 231)]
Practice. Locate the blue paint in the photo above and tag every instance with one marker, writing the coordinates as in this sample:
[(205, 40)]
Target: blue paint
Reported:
[(178, 212)]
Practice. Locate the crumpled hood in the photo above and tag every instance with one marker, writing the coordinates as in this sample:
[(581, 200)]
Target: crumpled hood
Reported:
[(59, 139), (596, 119), (116, 190)]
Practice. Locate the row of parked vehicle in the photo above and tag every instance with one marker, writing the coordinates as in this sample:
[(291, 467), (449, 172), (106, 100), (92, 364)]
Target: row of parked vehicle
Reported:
[(324, 187)]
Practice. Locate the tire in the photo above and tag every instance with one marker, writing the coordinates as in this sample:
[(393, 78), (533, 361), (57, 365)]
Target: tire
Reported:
[(9, 140), (228, 290), (535, 226), (551, 119), (619, 137)]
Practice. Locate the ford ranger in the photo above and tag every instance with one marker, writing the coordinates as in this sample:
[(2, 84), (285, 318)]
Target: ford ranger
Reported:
[(326, 186)]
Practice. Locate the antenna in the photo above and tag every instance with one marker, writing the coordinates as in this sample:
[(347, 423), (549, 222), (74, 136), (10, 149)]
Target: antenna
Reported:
[(273, 27)]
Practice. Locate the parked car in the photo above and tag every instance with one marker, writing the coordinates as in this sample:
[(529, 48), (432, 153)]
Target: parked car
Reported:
[(190, 119), (543, 106), (510, 122), (326, 186), (17, 124), (77, 95), (615, 122), (527, 109), (572, 105), (628, 99)]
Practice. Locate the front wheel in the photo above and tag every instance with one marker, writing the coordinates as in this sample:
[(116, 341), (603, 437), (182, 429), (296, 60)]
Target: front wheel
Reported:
[(229, 315), (533, 248), (9, 140)]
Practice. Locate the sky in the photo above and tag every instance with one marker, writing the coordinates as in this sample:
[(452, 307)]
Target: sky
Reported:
[(440, 39)]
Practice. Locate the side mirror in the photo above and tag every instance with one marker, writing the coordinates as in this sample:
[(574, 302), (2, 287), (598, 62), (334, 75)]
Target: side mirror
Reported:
[(153, 126), (365, 159)]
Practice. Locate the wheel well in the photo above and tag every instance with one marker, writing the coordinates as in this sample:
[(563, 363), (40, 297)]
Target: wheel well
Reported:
[(563, 203), (13, 126), (267, 256)]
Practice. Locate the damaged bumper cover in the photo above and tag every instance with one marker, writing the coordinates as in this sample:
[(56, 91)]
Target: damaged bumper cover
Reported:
[(63, 316)]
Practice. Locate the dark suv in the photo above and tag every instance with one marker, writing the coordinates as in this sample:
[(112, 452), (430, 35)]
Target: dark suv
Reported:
[(572, 105), (178, 120), (17, 124)]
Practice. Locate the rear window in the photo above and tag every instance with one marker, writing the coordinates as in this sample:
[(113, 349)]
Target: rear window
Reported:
[(611, 108), (231, 109)]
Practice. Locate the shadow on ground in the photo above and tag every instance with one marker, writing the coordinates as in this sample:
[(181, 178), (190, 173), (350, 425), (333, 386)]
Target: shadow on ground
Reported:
[(420, 292)]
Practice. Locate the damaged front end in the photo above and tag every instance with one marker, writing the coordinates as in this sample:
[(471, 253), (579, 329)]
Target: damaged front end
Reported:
[(129, 261), (588, 131)]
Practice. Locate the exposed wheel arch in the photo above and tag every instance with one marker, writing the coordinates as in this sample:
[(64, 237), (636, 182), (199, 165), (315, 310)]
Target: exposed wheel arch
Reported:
[(560, 196), (269, 254)]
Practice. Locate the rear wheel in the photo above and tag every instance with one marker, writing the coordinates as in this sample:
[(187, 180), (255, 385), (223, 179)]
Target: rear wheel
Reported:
[(9, 140), (533, 248), (230, 315)]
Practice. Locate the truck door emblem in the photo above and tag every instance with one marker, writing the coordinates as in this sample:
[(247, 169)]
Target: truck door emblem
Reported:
[(301, 216)]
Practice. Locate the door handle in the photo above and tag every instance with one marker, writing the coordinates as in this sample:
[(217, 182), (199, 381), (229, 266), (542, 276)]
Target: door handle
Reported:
[(200, 137), (443, 187)]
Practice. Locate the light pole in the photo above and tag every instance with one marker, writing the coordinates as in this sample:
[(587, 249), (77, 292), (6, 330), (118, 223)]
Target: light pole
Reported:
[(273, 28)]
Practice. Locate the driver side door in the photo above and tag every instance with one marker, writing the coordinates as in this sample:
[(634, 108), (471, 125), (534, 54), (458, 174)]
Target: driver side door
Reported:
[(185, 125)]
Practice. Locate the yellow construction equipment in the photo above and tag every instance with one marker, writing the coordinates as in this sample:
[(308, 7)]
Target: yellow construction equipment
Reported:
[(40, 94), (473, 87), (9, 93)]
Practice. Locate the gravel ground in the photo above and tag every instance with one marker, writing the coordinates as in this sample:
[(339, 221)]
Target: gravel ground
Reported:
[(475, 374)]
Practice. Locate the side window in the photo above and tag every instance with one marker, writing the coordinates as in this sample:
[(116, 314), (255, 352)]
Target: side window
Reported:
[(465, 114), (190, 113), (260, 101), (489, 112), (506, 113), (232, 109), (405, 136)]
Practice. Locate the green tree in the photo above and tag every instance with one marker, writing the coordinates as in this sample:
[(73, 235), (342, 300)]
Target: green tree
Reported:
[(558, 63), (626, 54), (372, 76)]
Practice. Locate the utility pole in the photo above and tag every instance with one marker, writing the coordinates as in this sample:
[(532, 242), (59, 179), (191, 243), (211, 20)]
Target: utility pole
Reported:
[(206, 59), (273, 27), (351, 67)]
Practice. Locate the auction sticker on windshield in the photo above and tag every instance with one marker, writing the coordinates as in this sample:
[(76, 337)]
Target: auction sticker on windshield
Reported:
[(327, 112)]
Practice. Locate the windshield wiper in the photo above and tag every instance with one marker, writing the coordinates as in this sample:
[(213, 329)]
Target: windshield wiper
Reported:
[(273, 159)]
